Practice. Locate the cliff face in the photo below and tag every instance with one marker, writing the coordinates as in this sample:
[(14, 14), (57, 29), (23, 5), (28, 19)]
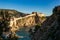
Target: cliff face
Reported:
[(50, 29), (27, 21), (31, 20), (18, 20), (12, 20), (9, 15), (5, 28)]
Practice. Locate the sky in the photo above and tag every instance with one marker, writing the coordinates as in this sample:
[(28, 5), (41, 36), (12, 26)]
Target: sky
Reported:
[(29, 6)]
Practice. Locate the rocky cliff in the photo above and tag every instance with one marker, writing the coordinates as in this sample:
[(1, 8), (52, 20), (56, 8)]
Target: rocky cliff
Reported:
[(18, 19), (12, 12), (27, 21), (50, 29), (5, 18), (32, 19), (11, 15), (12, 20)]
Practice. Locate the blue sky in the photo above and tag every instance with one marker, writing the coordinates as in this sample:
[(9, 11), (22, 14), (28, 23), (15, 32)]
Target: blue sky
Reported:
[(28, 6)]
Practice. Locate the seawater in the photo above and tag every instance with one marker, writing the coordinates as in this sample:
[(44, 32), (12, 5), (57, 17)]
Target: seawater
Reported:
[(24, 34)]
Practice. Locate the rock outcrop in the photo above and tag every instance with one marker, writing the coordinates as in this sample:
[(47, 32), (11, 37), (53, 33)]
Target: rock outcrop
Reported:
[(12, 13), (50, 29), (12, 20), (18, 19), (5, 18), (32, 19), (27, 21)]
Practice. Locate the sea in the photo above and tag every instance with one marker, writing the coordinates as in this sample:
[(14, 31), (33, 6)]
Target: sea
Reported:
[(24, 35)]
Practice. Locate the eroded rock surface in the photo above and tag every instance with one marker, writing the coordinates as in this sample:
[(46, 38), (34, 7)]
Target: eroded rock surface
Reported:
[(50, 29), (12, 20)]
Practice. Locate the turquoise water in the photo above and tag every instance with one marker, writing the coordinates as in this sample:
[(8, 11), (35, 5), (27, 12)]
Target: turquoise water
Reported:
[(24, 34)]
